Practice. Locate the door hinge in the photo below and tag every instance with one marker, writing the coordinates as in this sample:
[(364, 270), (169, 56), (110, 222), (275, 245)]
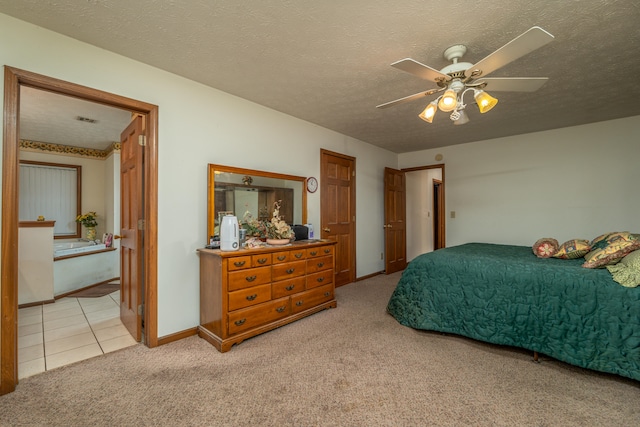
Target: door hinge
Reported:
[(142, 140), (140, 310), (141, 224)]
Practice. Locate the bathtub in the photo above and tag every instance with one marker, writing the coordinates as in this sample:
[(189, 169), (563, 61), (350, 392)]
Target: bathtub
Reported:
[(78, 264), (72, 248)]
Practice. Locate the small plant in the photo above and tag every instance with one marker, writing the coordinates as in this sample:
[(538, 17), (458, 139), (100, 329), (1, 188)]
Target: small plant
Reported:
[(88, 220)]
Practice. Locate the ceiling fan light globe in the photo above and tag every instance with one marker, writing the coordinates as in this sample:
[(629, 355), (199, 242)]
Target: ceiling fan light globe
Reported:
[(485, 101), (462, 118), (448, 101), (429, 112)]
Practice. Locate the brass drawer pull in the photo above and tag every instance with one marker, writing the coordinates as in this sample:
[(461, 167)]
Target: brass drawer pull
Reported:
[(314, 253), (290, 287), (240, 322), (250, 278), (326, 251), (281, 309), (320, 264), (298, 255), (239, 263), (252, 297), (290, 270), (299, 303), (262, 260), (282, 257), (320, 279), (326, 294)]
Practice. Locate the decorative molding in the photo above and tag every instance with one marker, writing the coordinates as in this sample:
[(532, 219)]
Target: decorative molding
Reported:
[(69, 150)]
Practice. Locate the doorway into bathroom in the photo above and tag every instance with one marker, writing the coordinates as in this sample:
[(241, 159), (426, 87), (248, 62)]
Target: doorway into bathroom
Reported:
[(146, 288)]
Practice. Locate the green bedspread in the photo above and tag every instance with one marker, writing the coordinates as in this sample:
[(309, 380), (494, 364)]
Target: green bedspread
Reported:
[(506, 295)]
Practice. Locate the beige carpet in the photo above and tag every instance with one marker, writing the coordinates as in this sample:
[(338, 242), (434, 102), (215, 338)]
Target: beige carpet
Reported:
[(349, 366)]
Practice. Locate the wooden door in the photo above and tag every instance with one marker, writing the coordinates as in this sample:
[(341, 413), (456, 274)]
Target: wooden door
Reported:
[(338, 211), (395, 221), (132, 226)]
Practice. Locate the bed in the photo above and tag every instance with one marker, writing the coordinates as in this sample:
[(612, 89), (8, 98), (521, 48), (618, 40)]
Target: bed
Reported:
[(506, 295)]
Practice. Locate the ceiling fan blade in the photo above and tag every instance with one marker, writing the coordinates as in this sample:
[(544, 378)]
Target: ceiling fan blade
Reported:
[(408, 98), (512, 84), (529, 41), (423, 71)]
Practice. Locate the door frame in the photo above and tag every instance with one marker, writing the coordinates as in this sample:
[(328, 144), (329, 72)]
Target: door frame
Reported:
[(442, 205), (13, 79)]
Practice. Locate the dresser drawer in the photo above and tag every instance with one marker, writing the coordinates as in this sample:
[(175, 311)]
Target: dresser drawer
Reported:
[(316, 252), (260, 260), (247, 318), (239, 263), (309, 299), (249, 296), (287, 287), (320, 278), (319, 264), (288, 270), (287, 256), (247, 278)]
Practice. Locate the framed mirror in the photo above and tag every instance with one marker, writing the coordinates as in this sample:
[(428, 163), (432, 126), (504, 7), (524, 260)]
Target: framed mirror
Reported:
[(236, 191)]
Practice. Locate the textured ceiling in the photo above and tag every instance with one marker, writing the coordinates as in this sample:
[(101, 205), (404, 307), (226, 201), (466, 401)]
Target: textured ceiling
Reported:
[(327, 62), (53, 118)]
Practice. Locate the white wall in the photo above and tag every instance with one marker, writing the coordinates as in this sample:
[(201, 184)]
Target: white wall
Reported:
[(35, 264), (200, 125), (575, 182)]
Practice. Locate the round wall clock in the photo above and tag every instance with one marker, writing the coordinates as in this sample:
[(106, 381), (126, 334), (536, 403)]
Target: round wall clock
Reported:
[(312, 185)]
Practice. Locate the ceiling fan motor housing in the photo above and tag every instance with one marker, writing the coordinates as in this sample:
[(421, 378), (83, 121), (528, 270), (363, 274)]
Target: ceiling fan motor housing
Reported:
[(457, 69)]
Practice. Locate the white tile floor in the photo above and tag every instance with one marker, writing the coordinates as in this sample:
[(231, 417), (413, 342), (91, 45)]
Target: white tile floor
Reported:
[(67, 331)]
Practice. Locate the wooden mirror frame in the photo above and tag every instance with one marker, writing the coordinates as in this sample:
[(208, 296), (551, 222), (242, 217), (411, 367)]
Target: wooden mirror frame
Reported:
[(251, 172)]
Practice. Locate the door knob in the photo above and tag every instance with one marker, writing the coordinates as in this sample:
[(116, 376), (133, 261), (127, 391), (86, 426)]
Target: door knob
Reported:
[(328, 230), (116, 237), (389, 226)]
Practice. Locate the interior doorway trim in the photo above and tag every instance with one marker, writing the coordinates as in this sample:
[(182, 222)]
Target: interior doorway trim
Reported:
[(442, 188), (13, 79)]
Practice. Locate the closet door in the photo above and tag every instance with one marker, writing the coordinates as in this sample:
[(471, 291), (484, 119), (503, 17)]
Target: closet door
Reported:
[(338, 211)]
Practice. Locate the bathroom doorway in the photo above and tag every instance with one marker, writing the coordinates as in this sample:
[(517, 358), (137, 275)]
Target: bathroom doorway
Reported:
[(425, 207), (14, 79)]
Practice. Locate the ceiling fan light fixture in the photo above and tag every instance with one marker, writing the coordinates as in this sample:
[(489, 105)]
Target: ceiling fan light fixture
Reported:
[(485, 101), (429, 112), (448, 101)]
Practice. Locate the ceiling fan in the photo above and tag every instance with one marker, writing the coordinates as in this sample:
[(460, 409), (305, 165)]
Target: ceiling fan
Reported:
[(459, 78)]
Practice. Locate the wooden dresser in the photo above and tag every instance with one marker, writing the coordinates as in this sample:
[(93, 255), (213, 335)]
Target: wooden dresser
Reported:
[(247, 292)]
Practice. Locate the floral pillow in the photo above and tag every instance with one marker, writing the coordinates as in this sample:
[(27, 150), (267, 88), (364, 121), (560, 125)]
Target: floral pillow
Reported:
[(572, 249), (545, 247), (611, 249), (627, 271)]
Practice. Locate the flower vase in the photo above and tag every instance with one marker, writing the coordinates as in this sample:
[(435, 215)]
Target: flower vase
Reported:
[(91, 233)]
